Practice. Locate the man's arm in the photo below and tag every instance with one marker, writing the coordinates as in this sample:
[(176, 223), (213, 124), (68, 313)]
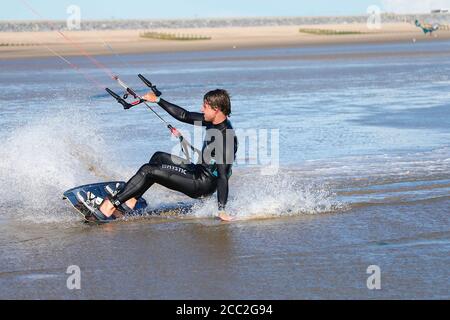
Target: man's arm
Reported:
[(224, 168), (222, 186), (182, 114)]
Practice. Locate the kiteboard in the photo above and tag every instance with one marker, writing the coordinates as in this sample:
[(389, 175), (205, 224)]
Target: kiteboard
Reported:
[(141, 208), (99, 189)]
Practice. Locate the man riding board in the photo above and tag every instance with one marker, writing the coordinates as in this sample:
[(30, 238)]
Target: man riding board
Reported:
[(210, 174)]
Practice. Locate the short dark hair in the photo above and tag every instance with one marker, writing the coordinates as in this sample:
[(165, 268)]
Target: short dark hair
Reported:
[(219, 98)]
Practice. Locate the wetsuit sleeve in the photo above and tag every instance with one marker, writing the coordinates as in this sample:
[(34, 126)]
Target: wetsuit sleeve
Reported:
[(222, 186), (181, 114), (223, 170)]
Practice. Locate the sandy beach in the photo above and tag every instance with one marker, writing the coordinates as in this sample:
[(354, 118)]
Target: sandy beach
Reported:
[(36, 44)]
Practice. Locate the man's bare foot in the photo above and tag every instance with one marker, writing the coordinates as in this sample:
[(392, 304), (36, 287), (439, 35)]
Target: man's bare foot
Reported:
[(225, 217), (131, 203), (107, 208)]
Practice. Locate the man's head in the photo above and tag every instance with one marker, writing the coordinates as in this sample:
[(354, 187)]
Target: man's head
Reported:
[(216, 105)]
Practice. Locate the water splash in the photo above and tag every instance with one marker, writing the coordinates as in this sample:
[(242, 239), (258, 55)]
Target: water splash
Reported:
[(255, 196), (47, 156)]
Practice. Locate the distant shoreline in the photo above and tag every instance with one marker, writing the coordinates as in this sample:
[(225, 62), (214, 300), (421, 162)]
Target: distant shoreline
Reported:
[(187, 23), (34, 44)]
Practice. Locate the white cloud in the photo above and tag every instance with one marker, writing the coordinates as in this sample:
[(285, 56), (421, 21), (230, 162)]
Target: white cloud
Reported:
[(414, 6)]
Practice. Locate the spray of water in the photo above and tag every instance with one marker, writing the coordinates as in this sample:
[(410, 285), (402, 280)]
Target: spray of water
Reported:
[(47, 156), (255, 196)]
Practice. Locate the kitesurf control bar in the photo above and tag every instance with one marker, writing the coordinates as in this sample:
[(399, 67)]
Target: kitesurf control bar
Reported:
[(129, 91), (185, 145)]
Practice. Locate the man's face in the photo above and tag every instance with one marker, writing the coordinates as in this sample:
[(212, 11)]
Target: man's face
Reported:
[(209, 112)]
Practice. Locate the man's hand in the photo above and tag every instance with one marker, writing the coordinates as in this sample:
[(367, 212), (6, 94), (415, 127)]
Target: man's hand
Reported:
[(150, 97), (222, 215)]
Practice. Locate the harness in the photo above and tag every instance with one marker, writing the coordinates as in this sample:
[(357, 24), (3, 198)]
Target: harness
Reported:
[(212, 168)]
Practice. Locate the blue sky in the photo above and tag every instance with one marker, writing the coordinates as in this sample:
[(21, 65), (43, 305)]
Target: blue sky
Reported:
[(150, 9)]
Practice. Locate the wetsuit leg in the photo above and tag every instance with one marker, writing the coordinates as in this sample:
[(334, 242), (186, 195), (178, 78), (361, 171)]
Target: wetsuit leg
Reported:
[(160, 158), (167, 158), (170, 171)]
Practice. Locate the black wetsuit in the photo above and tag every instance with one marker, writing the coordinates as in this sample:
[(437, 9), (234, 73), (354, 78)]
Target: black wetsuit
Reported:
[(194, 180)]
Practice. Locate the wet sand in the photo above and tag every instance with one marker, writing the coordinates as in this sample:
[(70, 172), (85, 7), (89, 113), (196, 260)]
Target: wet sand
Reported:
[(306, 257), (129, 41)]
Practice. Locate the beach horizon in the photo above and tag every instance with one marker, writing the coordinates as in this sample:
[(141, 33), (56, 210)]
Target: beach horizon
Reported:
[(34, 44)]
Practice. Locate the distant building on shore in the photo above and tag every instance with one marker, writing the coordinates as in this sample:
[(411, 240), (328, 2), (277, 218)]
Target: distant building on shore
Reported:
[(439, 11)]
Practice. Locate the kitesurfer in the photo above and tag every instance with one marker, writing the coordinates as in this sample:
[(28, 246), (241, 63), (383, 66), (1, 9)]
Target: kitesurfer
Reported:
[(210, 174)]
